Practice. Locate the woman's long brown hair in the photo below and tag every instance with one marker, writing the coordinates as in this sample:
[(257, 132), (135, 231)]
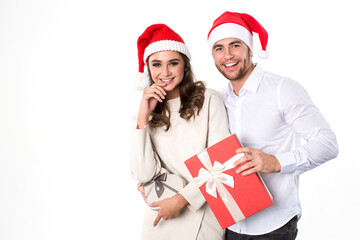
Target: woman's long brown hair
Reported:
[(192, 96)]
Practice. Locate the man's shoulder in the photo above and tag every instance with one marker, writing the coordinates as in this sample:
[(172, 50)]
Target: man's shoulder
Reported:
[(277, 80), (283, 85)]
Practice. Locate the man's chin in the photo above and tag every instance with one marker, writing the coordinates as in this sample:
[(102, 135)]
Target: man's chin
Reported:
[(231, 77)]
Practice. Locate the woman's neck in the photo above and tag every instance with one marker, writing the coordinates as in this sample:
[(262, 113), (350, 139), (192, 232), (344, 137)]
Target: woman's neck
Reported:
[(175, 93)]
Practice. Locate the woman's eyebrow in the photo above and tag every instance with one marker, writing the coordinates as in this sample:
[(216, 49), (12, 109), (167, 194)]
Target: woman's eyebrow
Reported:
[(171, 60), (175, 59)]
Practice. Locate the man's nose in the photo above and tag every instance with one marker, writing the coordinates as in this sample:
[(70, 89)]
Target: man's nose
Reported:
[(228, 54)]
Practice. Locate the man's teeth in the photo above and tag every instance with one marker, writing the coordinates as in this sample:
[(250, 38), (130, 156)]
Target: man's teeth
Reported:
[(230, 64)]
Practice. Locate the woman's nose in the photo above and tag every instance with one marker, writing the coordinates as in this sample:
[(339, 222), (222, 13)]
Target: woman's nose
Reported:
[(165, 71)]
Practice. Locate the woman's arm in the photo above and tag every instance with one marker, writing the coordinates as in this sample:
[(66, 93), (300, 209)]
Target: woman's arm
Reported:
[(144, 163), (217, 130)]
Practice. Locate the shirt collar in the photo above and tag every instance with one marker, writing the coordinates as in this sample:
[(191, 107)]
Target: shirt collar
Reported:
[(251, 84)]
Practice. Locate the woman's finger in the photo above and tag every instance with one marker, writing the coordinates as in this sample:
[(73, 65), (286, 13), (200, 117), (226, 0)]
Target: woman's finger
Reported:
[(157, 91), (157, 220), (160, 88), (153, 95)]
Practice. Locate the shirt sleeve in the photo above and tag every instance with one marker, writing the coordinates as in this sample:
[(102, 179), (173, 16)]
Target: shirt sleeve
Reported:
[(144, 163), (306, 120)]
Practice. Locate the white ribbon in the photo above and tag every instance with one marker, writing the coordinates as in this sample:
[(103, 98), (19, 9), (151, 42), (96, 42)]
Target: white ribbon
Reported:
[(214, 179)]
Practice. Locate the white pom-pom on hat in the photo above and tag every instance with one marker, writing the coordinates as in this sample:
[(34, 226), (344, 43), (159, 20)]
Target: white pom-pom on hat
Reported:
[(263, 54), (142, 81)]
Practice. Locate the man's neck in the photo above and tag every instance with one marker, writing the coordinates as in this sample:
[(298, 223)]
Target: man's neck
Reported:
[(237, 84)]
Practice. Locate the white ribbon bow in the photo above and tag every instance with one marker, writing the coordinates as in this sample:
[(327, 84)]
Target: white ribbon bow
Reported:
[(213, 175), (214, 178)]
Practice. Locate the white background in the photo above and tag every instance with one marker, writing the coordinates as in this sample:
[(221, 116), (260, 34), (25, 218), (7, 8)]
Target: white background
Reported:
[(66, 100)]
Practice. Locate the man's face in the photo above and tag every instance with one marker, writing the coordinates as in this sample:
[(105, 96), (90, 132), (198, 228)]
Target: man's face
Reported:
[(232, 58)]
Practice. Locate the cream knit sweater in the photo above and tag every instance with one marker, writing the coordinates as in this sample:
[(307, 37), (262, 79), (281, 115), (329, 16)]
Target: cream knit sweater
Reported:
[(183, 140)]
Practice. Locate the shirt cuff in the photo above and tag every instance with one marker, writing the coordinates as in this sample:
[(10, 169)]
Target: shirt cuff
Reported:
[(287, 161)]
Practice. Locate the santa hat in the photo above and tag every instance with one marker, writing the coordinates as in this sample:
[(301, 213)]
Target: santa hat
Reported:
[(241, 26), (156, 38)]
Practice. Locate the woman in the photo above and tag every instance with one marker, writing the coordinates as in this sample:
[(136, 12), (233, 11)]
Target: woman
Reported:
[(177, 119)]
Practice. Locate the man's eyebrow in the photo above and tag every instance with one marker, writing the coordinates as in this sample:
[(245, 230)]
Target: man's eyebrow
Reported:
[(235, 42), (231, 43), (217, 45)]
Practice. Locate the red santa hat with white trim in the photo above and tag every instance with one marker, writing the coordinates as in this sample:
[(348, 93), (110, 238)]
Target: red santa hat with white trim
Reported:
[(156, 38), (241, 26)]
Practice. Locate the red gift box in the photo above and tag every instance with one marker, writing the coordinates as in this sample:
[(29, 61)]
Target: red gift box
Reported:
[(231, 196)]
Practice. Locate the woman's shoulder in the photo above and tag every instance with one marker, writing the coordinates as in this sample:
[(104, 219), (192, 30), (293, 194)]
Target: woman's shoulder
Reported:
[(212, 93)]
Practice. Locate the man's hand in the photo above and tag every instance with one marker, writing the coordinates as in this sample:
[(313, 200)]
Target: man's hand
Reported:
[(169, 207), (255, 160)]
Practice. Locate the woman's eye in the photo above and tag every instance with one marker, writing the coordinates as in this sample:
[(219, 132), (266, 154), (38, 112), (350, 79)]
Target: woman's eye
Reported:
[(156, 64), (174, 63)]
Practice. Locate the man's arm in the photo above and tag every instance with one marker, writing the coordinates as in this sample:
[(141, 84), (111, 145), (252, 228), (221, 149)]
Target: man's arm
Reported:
[(306, 120)]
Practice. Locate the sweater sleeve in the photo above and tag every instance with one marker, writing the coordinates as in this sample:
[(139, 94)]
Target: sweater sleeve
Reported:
[(218, 127), (217, 130), (192, 194), (144, 163)]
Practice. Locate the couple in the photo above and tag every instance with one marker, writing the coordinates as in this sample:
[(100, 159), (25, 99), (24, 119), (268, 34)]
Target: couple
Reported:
[(179, 118)]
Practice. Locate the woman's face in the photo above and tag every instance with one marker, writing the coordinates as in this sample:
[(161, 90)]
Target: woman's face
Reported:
[(167, 67)]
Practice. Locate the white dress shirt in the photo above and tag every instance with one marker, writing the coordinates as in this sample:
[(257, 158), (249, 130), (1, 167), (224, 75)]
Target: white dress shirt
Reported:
[(273, 114)]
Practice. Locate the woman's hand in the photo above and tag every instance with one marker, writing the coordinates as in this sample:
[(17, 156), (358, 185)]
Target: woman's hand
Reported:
[(150, 97), (169, 207), (141, 189)]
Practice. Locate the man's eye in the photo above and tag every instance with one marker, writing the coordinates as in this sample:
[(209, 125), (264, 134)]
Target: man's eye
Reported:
[(218, 49)]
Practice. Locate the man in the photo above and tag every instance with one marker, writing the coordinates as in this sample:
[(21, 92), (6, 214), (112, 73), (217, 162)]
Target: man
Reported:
[(269, 114)]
